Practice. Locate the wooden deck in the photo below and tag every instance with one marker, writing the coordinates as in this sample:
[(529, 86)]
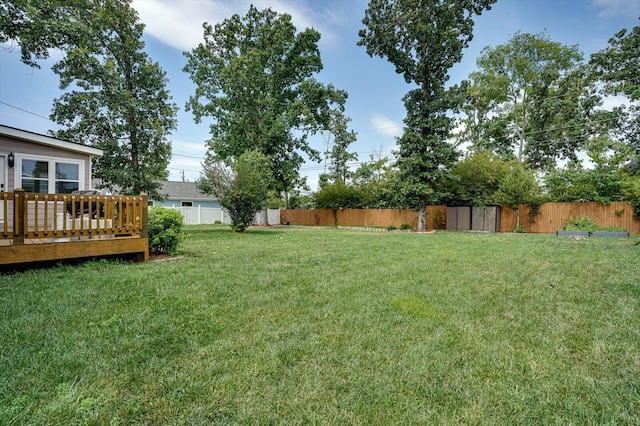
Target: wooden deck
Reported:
[(52, 227)]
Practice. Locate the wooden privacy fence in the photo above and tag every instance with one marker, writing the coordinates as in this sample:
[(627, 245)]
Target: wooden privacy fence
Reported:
[(37, 227), (364, 217), (553, 216), (550, 218)]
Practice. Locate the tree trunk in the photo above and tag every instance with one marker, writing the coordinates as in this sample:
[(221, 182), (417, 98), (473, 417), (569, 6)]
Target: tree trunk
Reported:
[(265, 216), (421, 218), (517, 219)]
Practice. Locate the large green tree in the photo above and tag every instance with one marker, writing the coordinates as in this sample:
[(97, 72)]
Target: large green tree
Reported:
[(338, 148), (254, 77), (530, 98), (423, 39), (618, 66), (39, 26), (116, 96)]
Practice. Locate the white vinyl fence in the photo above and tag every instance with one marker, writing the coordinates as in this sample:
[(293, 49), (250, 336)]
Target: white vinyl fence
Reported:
[(210, 215), (273, 216)]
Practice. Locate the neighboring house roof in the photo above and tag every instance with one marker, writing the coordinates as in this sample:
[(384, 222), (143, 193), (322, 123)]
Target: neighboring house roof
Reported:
[(176, 191), (184, 191), (12, 132)]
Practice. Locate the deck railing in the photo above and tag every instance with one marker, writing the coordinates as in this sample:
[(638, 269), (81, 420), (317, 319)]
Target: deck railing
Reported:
[(66, 217)]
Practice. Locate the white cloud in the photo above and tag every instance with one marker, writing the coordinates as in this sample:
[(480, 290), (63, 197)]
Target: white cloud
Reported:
[(178, 23), (612, 101), (193, 149), (611, 8), (385, 125)]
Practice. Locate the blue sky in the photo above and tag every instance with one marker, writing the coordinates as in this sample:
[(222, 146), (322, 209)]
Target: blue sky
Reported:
[(375, 90)]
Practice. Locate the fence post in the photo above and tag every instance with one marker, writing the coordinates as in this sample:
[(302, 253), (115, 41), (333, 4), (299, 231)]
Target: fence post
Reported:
[(144, 233), (199, 216), (18, 216)]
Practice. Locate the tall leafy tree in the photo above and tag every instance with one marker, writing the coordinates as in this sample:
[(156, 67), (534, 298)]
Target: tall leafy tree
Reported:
[(116, 95), (423, 39), (530, 98), (254, 79), (618, 66), (339, 155), (41, 25)]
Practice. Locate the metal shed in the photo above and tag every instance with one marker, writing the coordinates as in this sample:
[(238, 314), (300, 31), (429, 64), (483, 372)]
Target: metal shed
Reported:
[(458, 218), (485, 218)]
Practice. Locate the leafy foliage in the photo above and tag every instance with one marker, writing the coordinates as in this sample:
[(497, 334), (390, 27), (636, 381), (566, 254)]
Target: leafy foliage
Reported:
[(339, 154), (118, 102), (586, 223), (165, 230), (631, 192), (477, 178), (338, 195), (529, 95), (618, 67), (518, 187), (423, 41), (602, 183), (40, 26), (243, 188), (254, 78)]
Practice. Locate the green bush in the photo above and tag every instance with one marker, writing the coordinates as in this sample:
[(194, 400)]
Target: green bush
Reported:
[(337, 195), (165, 230), (405, 226), (585, 223), (391, 228)]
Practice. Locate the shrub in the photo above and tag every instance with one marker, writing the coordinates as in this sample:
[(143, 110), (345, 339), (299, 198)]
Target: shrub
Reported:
[(165, 230), (391, 228), (585, 223), (337, 195), (437, 219), (241, 186), (405, 226)]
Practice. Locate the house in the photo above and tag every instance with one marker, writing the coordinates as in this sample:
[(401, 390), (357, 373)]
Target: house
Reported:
[(184, 194), (40, 218), (42, 164)]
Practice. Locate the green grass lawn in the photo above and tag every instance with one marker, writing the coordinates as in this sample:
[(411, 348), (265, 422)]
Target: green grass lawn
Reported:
[(308, 326)]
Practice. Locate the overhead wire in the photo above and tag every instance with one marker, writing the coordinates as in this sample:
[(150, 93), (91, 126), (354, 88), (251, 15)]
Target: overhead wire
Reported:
[(380, 129), (27, 111)]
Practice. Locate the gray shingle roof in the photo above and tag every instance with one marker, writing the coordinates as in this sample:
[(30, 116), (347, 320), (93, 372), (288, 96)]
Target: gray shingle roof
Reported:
[(184, 191)]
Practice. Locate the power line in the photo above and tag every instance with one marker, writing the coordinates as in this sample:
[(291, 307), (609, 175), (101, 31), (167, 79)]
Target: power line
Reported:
[(183, 169), (27, 111), (187, 156)]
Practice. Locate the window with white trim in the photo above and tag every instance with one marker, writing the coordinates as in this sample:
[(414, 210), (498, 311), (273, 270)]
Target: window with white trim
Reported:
[(49, 175), (67, 177)]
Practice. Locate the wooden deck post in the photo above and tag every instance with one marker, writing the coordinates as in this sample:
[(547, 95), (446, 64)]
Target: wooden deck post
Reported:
[(18, 216), (144, 232)]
